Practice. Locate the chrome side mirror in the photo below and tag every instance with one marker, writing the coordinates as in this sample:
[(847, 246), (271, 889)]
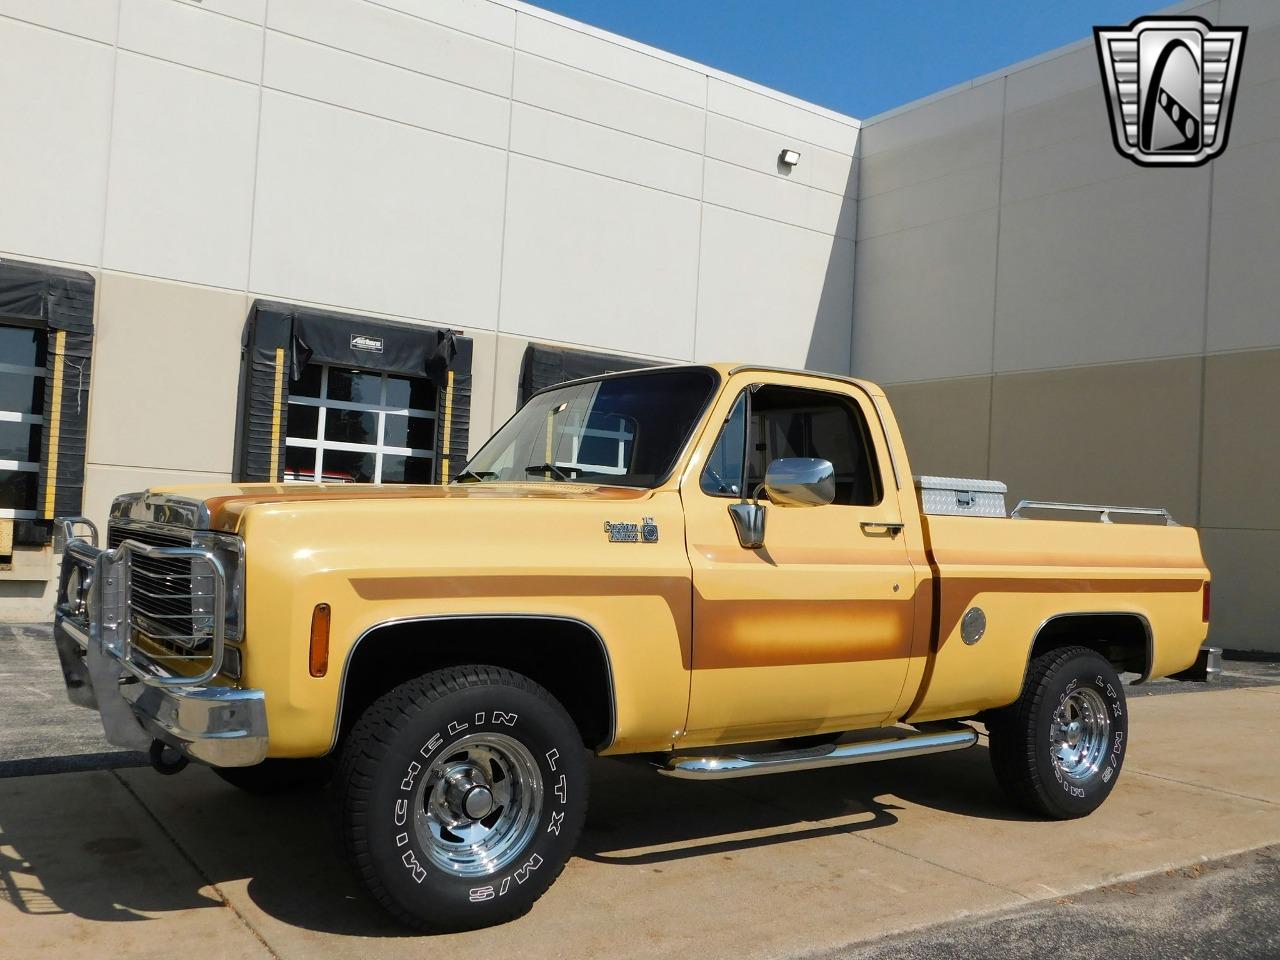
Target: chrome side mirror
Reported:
[(789, 482), (800, 482)]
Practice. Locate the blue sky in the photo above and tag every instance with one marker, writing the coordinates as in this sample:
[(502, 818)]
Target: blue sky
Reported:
[(859, 57)]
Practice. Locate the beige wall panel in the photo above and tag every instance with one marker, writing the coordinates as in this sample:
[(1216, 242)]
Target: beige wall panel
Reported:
[(482, 18), (1113, 271), (29, 601), (181, 192), (368, 215), (1244, 256), (1241, 482), (166, 364), (91, 19), (374, 31), (756, 148), (608, 58), (1123, 434), (358, 83), (55, 104), (732, 100), (597, 261), (772, 293), (553, 86), (944, 424), (484, 348), (1243, 565), (775, 198), (508, 358), (103, 483), (186, 33), (588, 146), (922, 301)]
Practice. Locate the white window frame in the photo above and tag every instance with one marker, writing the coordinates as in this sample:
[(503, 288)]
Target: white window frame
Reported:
[(381, 408), (622, 435), (13, 416)]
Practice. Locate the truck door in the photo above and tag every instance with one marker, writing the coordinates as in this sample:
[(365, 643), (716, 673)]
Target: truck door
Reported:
[(812, 631)]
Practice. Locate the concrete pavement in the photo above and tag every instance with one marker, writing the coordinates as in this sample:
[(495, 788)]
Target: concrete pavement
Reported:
[(131, 863)]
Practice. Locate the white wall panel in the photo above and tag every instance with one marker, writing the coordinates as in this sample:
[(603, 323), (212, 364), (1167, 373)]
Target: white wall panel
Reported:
[(189, 35), (586, 146), (390, 36), (611, 59), (357, 83), (93, 19), (1112, 271), (250, 11), (777, 199), (574, 93), (757, 149), (483, 18), (1244, 282), (55, 105), (736, 101), (181, 191), (595, 261), (370, 215), (772, 293), (922, 303)]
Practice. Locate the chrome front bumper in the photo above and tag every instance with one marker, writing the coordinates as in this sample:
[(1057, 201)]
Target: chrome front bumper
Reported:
[(138, 700)]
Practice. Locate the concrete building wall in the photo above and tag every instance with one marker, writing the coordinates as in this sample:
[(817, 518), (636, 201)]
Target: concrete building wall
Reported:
[(1044, 312), (480, 165)]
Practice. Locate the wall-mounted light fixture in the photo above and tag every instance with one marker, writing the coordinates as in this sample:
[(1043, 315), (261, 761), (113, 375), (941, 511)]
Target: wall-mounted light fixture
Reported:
[(789, 158)]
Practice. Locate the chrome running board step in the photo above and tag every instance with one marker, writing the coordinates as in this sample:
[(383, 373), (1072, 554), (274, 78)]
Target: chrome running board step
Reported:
[(814, 758)]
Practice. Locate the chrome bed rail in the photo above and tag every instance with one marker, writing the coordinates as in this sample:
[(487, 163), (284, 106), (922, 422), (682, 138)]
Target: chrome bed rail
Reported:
[(1104, 512)]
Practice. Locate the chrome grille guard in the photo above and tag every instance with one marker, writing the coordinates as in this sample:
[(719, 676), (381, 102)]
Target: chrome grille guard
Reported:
[(107, 613)]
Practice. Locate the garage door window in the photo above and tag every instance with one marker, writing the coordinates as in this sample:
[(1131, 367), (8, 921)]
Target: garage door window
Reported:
[(354, 426), (22, 369)]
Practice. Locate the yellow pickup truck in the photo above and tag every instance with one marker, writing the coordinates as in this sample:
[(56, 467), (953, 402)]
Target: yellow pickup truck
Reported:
[(722, 570)]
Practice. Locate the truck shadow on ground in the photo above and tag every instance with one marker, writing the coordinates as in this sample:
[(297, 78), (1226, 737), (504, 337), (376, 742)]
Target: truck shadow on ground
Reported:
[(284, 854)]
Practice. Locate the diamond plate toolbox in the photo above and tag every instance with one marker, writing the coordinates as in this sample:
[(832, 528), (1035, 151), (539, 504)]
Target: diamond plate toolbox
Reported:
[(961, 497)]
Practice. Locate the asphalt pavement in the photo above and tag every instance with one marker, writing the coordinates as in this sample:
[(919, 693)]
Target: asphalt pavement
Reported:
[(905, 859)]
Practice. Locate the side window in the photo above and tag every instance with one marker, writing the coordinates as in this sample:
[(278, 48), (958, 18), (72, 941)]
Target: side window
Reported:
[(792, 422), (722, 476)]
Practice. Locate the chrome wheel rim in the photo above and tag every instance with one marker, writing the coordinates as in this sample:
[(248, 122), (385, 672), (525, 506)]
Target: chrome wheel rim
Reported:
[(479, 804), (1081, 733)]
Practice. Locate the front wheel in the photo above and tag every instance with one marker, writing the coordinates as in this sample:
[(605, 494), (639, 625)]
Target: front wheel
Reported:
[(462, 795), (1057, 751)]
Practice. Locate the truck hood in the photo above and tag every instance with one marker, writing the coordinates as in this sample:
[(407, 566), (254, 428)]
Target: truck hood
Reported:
[(226, 503)]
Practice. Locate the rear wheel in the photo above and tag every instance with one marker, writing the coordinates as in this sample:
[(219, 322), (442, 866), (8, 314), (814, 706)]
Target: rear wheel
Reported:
[(462, 795), (1058, 750)]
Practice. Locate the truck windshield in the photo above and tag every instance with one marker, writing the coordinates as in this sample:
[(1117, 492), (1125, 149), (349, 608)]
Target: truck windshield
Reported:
[(622, 430)]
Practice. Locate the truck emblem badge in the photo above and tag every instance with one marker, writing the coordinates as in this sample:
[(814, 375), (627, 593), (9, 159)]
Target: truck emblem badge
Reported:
[(646, 531), (1170, 85)]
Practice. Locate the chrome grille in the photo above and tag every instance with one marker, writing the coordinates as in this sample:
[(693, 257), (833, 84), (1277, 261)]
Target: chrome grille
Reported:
[(169, 602)]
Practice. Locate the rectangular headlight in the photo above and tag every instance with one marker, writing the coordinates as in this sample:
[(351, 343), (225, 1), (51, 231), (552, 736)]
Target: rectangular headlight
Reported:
[(230, 553)]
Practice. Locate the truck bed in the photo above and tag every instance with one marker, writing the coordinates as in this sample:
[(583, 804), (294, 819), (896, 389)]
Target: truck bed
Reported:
[(1141, 579)]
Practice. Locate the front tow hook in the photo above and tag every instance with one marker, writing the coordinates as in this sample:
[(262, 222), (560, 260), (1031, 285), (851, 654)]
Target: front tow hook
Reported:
[(165, 759)]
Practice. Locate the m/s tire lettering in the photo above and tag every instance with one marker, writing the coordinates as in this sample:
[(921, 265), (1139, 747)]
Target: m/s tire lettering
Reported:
[(414, 769), (481, 894), (402, 811)]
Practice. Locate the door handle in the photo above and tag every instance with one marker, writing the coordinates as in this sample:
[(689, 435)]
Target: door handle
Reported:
[(878, 526)]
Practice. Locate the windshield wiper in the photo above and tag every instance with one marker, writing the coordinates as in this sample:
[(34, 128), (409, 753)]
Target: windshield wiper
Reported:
[(550, 468), (474, 476)]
